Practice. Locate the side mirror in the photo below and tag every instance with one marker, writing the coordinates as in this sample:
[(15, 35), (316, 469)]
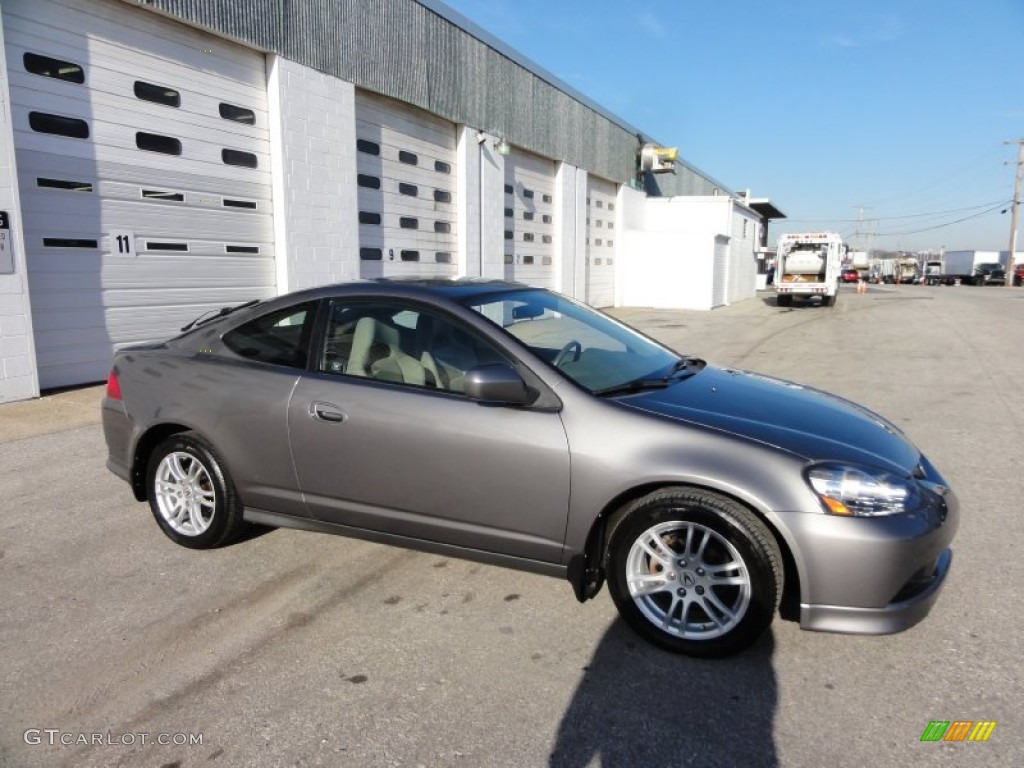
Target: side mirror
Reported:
[(497, 385)]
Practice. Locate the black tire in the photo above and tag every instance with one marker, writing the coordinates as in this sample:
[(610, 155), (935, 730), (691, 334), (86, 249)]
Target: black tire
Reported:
[(681, 617), (191, 494), (828, 301), (784, 300)]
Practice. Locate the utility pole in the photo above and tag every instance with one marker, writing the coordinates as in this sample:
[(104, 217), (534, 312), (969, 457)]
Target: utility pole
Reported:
[(1015, 209), (861, 237)]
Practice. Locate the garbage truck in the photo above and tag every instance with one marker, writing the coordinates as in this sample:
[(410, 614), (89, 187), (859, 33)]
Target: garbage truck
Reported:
[(809, 264)]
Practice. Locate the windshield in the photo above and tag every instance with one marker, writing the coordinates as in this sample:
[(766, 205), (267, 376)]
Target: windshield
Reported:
[(590, 348)]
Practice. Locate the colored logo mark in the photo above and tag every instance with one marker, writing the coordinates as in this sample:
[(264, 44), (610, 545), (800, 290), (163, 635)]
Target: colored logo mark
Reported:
[(958, 730)]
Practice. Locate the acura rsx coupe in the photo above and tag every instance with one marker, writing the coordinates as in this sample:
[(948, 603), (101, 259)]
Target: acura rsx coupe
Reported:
[(514, 426)]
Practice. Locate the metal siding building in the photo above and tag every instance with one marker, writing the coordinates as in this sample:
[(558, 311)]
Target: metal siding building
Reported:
[(166, 157)]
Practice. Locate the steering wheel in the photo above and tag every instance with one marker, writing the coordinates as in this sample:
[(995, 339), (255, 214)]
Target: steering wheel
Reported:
[(568, 349)]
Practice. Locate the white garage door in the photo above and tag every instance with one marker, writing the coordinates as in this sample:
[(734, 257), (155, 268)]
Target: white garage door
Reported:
[(600, 242), (406, 177), (529, 219), (144, 171)]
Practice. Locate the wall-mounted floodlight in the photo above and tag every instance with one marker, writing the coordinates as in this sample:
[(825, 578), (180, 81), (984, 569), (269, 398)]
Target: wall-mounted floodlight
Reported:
[(502, 147)]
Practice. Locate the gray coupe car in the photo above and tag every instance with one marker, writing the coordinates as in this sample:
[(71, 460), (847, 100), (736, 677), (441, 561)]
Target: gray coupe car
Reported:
[(511, 425)]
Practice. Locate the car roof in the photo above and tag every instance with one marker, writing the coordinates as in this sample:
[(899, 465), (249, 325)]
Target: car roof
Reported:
[(452, 289), (423, 288)]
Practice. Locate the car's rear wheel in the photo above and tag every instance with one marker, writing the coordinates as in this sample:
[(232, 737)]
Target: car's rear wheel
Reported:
[(694, 572), (191, 494), (784, 300)]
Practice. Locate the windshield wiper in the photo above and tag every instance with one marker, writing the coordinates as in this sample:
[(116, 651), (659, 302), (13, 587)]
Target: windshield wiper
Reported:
[(213, 314), (633, 386), (687, 365)]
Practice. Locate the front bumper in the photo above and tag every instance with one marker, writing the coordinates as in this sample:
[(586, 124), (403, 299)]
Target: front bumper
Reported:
[(875, 575), (895, 617)]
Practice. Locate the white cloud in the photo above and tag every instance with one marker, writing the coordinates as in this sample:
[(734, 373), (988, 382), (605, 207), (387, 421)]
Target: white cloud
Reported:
[(653, 26), (844, 42), (873, 31)]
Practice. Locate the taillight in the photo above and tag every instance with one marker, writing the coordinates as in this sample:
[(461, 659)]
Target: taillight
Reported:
[(113, 387)]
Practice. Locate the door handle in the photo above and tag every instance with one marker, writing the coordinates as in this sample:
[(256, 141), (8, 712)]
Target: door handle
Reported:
[(326, 412)]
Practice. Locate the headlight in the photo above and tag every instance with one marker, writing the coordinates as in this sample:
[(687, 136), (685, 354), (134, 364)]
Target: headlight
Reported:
[(862, 491)]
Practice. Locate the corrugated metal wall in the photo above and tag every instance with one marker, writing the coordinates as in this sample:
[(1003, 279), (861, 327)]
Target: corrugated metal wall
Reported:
[(686, 180), (408, 51)]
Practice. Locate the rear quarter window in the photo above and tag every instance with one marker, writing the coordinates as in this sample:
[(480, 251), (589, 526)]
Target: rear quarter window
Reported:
[(277, 338)]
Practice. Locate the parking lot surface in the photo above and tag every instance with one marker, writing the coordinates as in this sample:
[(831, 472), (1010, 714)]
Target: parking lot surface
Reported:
[(299, 649)]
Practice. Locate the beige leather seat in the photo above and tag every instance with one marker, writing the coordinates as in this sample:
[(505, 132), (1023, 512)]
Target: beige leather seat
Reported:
[(444, 356), (377, 354)]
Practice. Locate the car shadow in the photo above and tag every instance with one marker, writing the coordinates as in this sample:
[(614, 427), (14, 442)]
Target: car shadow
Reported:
[(639, 705), (251, 532)]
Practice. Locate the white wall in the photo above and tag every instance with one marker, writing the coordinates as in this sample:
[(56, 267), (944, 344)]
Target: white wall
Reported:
[(667, 250), (492, 217), (467, 202), (313, 155), (742, 256), (660, 270), (18, 376)]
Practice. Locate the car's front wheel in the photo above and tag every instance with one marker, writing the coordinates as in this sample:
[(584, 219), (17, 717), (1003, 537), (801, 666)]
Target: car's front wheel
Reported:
[(191, 494), (694, 572)]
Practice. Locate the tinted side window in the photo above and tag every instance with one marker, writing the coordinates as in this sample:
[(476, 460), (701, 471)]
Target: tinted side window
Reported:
[(402, 344), (278, 338)]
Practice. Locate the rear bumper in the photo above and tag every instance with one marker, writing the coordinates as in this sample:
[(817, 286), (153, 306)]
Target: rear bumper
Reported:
[(803, 289), (117, 431), (894, 617)]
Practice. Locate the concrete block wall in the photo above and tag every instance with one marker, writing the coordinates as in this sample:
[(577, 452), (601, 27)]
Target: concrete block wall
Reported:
[(313, 153), (492, 209), (467, 204), (18, 376)]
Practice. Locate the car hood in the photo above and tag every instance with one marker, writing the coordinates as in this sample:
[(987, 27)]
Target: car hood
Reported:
[(808, 422)]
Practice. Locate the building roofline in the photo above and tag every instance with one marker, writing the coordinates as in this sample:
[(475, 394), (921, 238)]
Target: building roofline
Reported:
[(506, 50)]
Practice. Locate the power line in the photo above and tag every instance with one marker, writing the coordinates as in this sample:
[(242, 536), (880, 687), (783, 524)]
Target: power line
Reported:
[(894, 218), (947, 224)]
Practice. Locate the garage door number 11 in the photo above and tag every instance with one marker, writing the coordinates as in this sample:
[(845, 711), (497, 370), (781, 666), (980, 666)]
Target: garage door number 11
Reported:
[(122, 242)]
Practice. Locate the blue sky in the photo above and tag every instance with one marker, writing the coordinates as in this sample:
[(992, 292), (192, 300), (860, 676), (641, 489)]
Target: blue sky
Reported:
[(824, 106)]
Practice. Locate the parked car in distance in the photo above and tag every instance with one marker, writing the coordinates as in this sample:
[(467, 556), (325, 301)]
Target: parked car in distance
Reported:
[(514, 426), (989, 274), (1018, 274), (850, 276)]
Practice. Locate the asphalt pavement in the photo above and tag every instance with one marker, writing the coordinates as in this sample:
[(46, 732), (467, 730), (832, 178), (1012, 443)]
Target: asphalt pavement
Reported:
[(300, 649)]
